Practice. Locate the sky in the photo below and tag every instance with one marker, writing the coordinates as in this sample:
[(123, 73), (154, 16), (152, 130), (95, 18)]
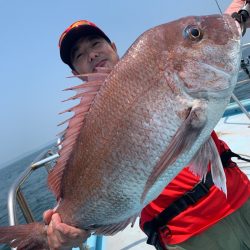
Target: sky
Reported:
[(32, 75)]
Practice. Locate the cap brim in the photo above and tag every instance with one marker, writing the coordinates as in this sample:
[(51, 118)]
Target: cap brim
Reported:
[(73, 35)]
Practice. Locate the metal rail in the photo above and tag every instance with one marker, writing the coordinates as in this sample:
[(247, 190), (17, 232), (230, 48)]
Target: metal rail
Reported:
[(16, 196), (241, 106)]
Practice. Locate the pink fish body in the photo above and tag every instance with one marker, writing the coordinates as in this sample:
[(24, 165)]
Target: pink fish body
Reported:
[(137, 127)]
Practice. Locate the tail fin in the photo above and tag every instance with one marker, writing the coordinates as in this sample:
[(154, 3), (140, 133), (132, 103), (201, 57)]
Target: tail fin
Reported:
[(25, 237)]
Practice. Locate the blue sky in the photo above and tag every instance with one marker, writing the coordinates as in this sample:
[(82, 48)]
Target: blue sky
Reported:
[(32, 75)]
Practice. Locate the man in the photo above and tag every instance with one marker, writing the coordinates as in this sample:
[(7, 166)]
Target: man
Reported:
[(213, 222), (84, 49)]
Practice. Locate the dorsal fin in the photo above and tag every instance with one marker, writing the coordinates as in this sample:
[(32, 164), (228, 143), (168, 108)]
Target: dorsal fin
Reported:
[(86, 92)]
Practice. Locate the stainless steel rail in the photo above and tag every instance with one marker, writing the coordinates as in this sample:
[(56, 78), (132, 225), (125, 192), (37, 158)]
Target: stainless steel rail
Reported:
[(15, 194), (241, 106)]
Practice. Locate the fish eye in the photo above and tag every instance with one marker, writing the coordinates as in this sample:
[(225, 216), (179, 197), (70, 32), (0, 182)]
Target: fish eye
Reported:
[(193, 33)]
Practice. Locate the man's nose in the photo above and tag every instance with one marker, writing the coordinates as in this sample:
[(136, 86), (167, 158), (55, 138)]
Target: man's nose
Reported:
[(93, 55)]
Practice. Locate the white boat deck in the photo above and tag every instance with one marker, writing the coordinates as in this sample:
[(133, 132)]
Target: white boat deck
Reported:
[(129, 239), (235, 131)]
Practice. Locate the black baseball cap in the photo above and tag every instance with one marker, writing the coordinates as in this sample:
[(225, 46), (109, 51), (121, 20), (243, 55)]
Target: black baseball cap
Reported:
[(74, 32)]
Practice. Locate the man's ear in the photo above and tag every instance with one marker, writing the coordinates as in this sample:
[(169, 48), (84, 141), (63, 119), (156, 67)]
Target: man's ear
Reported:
[(113, 46)]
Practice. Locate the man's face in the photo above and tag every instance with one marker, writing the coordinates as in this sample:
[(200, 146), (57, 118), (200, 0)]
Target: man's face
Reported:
[(89, 53)]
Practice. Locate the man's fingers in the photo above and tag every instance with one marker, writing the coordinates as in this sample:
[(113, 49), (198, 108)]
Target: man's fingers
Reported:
[(69, 231), (61, 235), (47, 216), (56, 219), (235, 6)]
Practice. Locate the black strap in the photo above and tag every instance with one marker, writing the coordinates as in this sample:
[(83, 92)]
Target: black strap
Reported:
[(152, 227), (189, 198), (227, 155)]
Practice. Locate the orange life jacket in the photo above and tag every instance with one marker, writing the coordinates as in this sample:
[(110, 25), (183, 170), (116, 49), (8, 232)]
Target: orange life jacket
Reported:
[(211, 208)]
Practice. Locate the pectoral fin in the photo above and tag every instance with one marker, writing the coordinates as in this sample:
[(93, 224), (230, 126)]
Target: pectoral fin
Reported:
[(182, 142)]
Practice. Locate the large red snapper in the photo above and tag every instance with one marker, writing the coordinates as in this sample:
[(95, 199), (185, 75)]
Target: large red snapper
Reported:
[(134, 132)]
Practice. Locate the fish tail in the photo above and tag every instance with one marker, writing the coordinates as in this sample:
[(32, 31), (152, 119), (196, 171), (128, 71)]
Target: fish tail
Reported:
[(31, 236)]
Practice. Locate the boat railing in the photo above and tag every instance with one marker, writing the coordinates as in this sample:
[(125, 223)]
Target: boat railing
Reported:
[(16, 197), (15, 194), (234, 108)]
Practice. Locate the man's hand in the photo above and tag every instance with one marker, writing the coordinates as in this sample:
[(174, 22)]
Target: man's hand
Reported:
[(235, 6), (61, 236)]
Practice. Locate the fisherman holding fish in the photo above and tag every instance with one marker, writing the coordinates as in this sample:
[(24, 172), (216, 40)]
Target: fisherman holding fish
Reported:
[(213, 221), (141, 119)]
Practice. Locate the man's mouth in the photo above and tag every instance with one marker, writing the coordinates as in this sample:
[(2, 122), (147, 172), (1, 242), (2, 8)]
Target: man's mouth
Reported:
[(101, 63)]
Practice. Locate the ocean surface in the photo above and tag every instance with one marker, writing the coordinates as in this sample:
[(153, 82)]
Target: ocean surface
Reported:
[(35, 190)]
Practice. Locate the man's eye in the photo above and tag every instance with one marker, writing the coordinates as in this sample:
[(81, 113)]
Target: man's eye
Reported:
[(78, 55), (95, 44)]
